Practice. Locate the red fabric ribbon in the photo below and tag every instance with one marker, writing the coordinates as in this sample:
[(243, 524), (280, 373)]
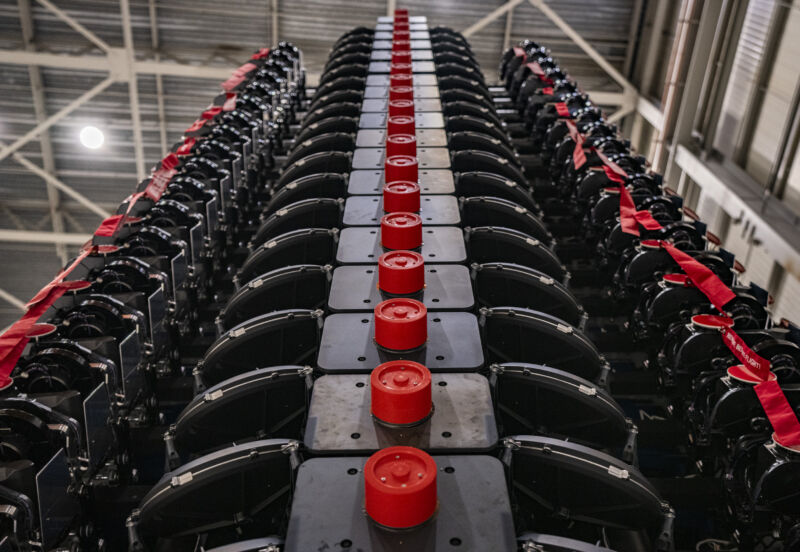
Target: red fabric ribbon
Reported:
[(779, 412), (186, 147), (520, 52), (747, 356), (547, 90), (562, 109), (261, 54), (14, 340), (703, 277), (230, 102)]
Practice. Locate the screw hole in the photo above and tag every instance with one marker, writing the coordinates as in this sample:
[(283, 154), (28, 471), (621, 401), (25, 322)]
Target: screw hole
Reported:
[(362, 358), (355, 435), (455, 541), (435, 300), (373, 231), (365, 321), (431, 254), (437, 319), (347, 543), (446, 434), (433, 271), (368, 300), (429, 231), (442, 384), (370, 271), (449, 469), (370, 255), (439, 357), (360, 384), (353, 471)]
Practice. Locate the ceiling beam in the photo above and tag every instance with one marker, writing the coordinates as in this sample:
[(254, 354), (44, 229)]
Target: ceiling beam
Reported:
[(490, 17), (40, 110), (55, 117), (155, 42), (66, 18), (27, 236), (49, 178), (507, 30), (104, 64), (133, 89), (12, 300)]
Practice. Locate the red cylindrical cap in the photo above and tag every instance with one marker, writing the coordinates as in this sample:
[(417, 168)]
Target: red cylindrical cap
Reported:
[(401, 124), (401, 272), (400, 69), (401, 107), (400, 25), (401, 195), (742, 373), (400, 167), (401, 144), (401, 35), (401, 12), (676, 279), (401, 57), (401, 230), (401, 93), (400, 45), (403, 79), (711, 321), (401, 324), (401, 393), (400, 487)]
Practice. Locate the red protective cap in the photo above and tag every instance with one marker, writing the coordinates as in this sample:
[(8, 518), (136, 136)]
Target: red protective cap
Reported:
[(400, 12), (40, 330), (401, 35), (401, 324), (677, 279), (401, 393), (401, 124), (711, 321), (401, 45), (401, 93), (742, 373), (401, 195), (400, 167), (404, 79), (400, 69), (401, 144), (400, 487), (401, 230), (401, 272), (403, 56), (401, 107), (400, 25)]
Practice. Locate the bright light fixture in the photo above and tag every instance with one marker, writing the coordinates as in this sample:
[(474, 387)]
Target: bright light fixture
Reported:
[(92, 137)]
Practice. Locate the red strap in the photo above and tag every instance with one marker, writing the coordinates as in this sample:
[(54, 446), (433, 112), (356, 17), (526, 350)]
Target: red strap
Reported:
[(261, 54), (233, 82), (647, 221), (520, 52), (186, 147), (211, 112), (562, 109), (14, 340), (230, 102), (197, 125), (244, 69), (747, 356), (547, 90), (160, 178), (613, 176), (535, 68), (780, 413), (109, 226), (706, 281), (627, 208)]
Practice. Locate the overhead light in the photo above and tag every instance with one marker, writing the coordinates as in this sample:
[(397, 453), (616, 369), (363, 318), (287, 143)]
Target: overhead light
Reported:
[(92, 137)]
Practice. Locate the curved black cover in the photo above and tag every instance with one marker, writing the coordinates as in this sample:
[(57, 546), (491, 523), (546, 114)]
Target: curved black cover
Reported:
[(318, 212), (495, 211), (503, 284), (287, 337), (486, 244), (310, 246), (265, 403), (302, 286), (513, 334)]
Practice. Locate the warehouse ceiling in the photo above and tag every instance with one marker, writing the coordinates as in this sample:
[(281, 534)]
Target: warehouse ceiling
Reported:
[(196, 36)]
